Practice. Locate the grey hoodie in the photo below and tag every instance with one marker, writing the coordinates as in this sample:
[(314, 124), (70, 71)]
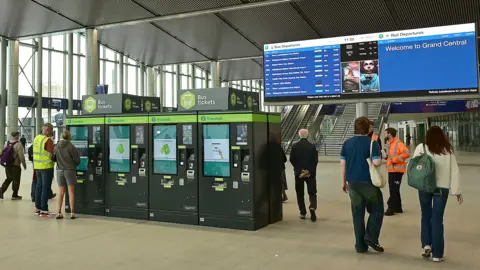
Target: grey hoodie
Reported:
[(67, 156)]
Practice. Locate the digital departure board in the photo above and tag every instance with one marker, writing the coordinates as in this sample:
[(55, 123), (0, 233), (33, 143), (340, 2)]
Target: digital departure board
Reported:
[(411, 63)]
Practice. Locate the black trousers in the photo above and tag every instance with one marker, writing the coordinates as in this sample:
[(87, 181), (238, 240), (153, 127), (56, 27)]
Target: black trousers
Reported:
[(394, 182), (14, 174), (312, 193)]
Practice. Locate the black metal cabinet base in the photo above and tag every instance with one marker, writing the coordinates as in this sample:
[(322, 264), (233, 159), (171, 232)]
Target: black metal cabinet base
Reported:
[(174, 217), (246, 224), (127, 213)]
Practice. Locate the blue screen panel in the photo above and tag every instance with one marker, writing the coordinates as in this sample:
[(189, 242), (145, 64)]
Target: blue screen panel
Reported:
[(411, 63)]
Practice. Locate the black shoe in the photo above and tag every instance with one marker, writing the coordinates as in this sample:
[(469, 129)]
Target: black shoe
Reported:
[(1, 194), (389, 213), (313, 216), (302, 215), (399, 211), (375, 247), (16, 198), (53, 196)]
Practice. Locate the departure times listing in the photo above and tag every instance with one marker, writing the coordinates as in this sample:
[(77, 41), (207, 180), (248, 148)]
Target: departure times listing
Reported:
[(407, 63), (310, 71)]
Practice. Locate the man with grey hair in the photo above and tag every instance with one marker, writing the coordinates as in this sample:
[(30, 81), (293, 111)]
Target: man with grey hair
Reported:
[(304, 158)]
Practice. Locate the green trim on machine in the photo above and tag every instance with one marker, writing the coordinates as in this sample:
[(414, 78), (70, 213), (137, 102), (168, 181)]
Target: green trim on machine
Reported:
[(84, 121), (126, 120), (160, 119), (274, 119), (232, 118)]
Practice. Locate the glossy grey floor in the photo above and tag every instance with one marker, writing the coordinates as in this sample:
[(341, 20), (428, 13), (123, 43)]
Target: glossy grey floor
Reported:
[(29, 242)]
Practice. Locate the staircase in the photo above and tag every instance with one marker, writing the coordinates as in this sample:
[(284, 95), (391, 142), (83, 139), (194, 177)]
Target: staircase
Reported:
[(344, 127), (373, 113), (306, 120)]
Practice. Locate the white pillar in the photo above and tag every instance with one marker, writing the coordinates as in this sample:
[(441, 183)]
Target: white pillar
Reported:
[(120, 75), (161, 88), (125, 88), (215, 72), (362, 109), (3, 89), (70, 74), (150, 82), (193, 79), (38, 85), (12, 97), (141, 88), (92, 63)]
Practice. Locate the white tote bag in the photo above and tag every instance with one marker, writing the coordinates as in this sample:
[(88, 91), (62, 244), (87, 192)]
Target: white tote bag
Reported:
[(377, 178)]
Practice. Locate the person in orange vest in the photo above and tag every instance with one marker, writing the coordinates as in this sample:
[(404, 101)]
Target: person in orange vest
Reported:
[(396, 167), (374, 136)]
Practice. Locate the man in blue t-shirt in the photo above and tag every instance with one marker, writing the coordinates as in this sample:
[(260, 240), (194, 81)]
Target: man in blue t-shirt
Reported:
[(357, 182)]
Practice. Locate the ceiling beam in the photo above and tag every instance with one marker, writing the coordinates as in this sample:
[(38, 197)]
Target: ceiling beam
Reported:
[(166, 32), (194, 13), (393, 14), (307, 19)]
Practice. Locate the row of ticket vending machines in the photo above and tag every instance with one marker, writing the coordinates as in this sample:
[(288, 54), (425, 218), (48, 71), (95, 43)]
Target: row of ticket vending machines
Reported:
[(213, 169)]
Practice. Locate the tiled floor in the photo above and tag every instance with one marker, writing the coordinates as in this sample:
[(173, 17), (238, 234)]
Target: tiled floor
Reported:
[(28, 242)]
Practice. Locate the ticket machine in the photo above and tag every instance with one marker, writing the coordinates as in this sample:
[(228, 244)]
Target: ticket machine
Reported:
[(173, 168), (88, 137), (233, 182), (126, 166)]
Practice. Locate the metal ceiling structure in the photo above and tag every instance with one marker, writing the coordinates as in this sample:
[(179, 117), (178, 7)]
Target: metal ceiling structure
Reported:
[(158, 32)]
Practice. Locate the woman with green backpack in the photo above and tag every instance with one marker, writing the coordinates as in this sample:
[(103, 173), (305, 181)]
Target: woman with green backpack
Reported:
[(434, 172)]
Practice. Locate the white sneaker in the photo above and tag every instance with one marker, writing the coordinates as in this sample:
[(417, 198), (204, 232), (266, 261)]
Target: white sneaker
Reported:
[(427, 252), (437, 259)]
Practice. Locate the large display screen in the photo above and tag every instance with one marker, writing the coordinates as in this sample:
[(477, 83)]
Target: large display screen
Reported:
[(411, 63), (80, 141), (165, 149), (119, 146), (216, 150)]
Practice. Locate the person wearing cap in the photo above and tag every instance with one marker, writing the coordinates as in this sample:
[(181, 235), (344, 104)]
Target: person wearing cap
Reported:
[(43, 164), (14, 172)]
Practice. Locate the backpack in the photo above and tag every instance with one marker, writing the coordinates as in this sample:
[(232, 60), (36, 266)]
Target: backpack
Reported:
[(421, 173), (7, 155), (30, 153)]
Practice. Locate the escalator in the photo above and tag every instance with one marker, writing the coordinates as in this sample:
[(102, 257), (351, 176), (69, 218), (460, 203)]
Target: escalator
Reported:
[(289, 127), (287, 120), (310, 112)]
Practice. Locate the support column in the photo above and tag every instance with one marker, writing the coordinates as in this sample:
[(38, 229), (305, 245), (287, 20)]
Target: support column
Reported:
[(193, 79), (142, 80), (179, 82), (12, 97), (215, 72), (92, 64), (120, 75), (125, 85), (70, 75), (38, 85), (362, 109), (137, 83), (150, 82), (161, 88), (3, 89), (49, 68)]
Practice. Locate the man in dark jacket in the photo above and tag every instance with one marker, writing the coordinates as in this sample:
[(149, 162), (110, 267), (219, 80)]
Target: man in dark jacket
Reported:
[(304, 158)]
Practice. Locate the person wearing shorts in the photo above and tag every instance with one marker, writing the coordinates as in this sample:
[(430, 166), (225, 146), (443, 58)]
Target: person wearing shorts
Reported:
[(67, 158)]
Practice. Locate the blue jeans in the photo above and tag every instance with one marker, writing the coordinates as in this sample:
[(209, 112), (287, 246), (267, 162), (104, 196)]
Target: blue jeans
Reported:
[(42, 189), (433, 207), (365, 196)]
